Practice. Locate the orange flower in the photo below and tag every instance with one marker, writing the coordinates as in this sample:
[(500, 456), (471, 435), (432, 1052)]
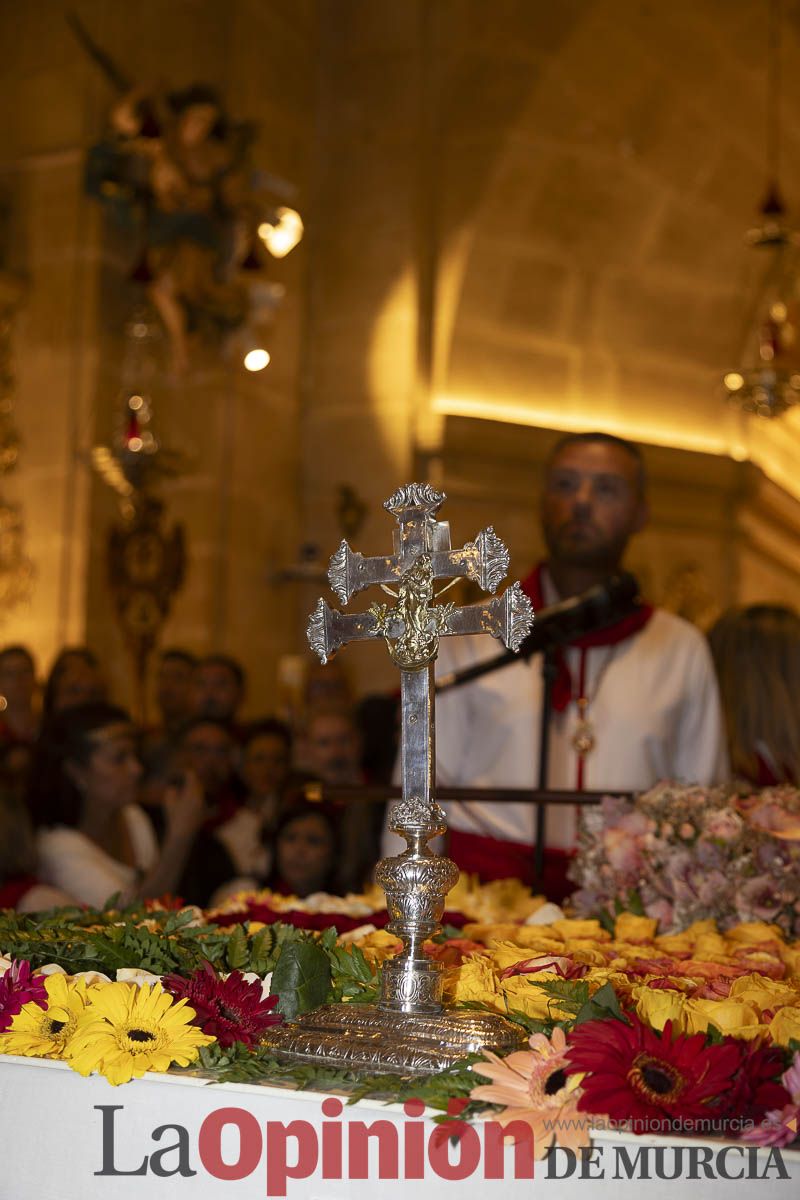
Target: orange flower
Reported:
[(534, 1087)]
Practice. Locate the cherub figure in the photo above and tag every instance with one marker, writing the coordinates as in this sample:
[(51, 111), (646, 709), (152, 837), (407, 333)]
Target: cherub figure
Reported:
[(175, 167)]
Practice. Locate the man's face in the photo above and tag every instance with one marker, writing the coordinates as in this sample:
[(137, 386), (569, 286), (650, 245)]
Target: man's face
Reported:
[(173, 688), (333, 750), (80, 683), (591, 505), (265, 764), (215, 692), (208, 750)]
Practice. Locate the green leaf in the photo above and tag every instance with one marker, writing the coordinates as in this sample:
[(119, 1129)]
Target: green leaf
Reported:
[(570, 994), (351, 976), (606, 920), (602, 1006), (328, 938), (449, 932), (301, 978), (529, 1024), (261, 947), (236, 953)]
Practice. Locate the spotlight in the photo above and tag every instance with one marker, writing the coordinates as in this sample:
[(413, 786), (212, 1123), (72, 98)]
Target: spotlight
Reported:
[(256, 359)]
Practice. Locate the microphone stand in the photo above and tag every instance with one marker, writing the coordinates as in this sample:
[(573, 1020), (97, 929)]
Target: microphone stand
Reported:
[(559, 625), (570, 626), (549, 673)]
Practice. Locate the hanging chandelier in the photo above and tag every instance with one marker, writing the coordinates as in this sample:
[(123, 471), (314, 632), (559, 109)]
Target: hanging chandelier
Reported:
[(767, 381)]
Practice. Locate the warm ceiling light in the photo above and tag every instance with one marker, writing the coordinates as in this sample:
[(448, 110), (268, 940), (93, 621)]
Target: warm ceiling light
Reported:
[(282, 232), (256, 360), (733, 381)]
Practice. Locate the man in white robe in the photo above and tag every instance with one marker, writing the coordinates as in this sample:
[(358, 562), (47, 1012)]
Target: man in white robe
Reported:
[(640, 706)]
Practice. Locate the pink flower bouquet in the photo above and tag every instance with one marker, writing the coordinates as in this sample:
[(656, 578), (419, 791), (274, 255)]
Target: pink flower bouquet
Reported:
[(683, 854)]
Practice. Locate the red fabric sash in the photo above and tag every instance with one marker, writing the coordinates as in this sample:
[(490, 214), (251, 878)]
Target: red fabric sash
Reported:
[(490, 858), (610, 636), (14, 889)]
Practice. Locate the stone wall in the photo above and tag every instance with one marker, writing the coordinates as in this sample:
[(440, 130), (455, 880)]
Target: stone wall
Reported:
[(520, 218)]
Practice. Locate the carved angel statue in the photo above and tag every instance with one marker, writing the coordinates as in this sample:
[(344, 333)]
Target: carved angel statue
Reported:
[(176, 169)]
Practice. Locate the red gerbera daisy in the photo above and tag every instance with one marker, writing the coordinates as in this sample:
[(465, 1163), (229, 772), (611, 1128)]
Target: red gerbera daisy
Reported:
[(18, 987), (634, 1073), (230, 1009), (757, 1088)]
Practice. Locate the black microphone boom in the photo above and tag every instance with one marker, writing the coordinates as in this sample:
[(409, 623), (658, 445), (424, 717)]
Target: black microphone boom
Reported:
[(559, 624)]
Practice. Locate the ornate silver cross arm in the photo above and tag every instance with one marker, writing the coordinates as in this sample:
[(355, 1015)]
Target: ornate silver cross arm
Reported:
[(484, 561), (507, 618), (329, 630), (413, 625)]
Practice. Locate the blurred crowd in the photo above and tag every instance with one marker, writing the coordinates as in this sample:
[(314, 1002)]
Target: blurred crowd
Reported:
[(200, 805)]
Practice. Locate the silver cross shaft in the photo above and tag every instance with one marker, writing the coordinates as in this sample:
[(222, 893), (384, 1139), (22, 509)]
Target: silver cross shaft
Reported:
[(412, 627)]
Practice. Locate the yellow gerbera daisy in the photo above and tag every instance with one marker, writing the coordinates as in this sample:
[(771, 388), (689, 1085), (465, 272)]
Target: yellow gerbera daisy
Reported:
[(127, 1030), (44, 1032)]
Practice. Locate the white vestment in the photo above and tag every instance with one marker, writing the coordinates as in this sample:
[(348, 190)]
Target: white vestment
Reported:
[(653, 707)]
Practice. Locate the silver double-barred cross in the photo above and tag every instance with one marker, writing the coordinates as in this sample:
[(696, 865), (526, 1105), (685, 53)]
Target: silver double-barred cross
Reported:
[(409, 1029)]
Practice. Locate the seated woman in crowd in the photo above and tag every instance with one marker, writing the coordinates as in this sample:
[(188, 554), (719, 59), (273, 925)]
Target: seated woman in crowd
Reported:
[(93, 839), (19, 722), (75, 678), (306, 846), (756, 652), (19, 886), (265, 772), (207, 750)]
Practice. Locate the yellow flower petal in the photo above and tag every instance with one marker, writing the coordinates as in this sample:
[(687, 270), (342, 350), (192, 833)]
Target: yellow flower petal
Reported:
[(785, 1025), (656, 1006), (45, 1032), (630, 928), (473, 981), (127, 1030), (729, 1016), (763, 993)]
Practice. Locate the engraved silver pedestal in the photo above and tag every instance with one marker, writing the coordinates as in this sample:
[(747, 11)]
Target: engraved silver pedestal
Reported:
[(409, 1031)]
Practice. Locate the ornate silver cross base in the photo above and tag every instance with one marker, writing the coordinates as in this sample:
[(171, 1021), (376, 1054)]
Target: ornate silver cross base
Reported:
[(409, 1030), (364, 1037)]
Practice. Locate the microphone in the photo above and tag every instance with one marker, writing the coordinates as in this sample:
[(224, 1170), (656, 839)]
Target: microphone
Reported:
[(599, 606)]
